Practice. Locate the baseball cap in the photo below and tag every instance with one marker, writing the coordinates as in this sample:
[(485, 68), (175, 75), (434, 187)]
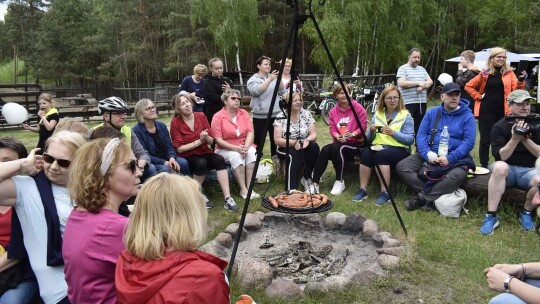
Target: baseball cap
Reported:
[(451, 87), (519, 96)]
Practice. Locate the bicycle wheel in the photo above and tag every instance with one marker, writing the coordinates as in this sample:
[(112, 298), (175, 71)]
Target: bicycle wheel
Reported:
[(329, 103)]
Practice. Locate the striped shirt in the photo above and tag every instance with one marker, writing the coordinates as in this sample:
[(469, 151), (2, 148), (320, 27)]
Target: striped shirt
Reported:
[(410, 95)]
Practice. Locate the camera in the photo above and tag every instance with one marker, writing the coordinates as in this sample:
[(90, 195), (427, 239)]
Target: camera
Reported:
[(532, 120)]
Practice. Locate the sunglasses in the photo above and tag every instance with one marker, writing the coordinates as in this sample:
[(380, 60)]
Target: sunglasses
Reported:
[(131, 165), (64, 163), (234, 98), (150, 108)]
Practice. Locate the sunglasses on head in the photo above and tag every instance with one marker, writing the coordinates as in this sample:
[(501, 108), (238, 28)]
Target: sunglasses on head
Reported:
[(131, 165), (64, 163)]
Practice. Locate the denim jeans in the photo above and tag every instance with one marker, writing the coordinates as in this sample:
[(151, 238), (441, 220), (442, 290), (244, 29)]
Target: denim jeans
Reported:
[(508, 298), (22, 294), (184, 166)]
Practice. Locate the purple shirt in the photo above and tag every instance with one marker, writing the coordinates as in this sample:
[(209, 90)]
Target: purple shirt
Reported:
[(92, 244)]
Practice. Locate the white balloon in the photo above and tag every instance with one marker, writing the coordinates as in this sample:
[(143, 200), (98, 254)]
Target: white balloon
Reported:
[(14, 113), (445, 78)]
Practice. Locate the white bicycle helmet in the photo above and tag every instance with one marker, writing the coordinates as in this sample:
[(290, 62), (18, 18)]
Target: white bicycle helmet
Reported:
[(112, 104)]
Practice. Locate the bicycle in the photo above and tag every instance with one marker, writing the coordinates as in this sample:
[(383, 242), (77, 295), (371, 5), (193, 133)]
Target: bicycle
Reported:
[(319, 104)]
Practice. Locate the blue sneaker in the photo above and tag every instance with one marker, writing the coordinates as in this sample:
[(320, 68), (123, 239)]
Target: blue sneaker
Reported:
[(382, 199), (490, 223), (360, 195), (526, 220)]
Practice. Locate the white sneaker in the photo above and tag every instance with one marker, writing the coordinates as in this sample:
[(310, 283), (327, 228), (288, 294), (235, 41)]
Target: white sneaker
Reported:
[(304, 183), (253, 195), (313, 188), (338, 187)]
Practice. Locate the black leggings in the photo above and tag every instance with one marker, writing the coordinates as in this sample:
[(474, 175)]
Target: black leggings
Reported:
[(296, 162), (338, 153), (258, 127), (388, 156), (200, 164), (486, 121)]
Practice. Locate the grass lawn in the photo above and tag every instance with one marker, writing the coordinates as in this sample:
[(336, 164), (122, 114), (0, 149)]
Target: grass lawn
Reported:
[(447, 258)]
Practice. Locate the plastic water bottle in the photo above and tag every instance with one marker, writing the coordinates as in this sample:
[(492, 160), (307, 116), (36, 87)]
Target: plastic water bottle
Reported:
[(443, 142)]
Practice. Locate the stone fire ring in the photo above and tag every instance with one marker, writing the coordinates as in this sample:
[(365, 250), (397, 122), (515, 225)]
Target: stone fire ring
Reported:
[(269, 250)]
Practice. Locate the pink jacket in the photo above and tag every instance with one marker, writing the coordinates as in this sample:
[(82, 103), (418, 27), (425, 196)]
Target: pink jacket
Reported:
[(338, 116)]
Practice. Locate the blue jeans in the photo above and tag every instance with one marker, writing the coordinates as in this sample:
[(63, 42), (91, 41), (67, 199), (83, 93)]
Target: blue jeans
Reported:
[(148, 172), (22, 294), (184, 166), (519, 176), (508, 298)]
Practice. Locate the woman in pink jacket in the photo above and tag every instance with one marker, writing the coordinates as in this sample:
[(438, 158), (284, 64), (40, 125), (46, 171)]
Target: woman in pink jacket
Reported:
[(347, 138)]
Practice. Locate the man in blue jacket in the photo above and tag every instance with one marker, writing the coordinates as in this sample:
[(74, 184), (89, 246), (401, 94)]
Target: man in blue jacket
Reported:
[(430, 173)]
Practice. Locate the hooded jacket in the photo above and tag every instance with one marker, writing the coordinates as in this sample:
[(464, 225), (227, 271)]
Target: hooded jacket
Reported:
[(338, 116), (193, 277), (461, 126), (476, 87)]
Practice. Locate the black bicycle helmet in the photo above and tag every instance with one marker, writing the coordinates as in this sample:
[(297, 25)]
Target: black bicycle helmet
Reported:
[(112, 104)]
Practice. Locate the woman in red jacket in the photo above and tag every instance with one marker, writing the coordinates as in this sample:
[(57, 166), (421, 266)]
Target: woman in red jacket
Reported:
[(161, 263), (490, 89)]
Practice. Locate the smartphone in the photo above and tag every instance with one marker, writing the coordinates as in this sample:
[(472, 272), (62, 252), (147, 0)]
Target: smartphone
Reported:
[(522, 66)]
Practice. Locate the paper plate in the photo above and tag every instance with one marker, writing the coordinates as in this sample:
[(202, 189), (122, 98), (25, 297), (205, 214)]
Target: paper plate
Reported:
[(480, 171), (377, 147)]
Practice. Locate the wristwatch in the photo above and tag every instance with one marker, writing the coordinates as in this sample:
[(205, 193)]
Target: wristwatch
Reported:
[(507, 283)]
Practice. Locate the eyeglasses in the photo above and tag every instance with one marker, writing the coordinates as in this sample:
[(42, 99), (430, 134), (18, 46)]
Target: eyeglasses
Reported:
[(150, 108), (64, 163), (131, 165), (391, 98), (234, 98)]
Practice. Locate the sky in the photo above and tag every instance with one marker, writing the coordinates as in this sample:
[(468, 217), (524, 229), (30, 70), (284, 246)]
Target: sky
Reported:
[(3, 9)]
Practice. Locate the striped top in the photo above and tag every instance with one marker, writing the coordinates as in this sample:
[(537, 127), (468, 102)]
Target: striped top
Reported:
[(410, 95)]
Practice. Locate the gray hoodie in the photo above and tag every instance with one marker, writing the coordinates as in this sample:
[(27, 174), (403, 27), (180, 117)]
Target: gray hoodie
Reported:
[(260, 100)]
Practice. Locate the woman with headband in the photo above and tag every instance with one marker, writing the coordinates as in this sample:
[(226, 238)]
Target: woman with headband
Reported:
[(105, 173), (43, 205)]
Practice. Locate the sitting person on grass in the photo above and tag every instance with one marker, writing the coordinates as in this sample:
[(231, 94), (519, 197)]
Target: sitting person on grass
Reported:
[(233, 131), (434, 171), (303, 148), (392, 130), (520, 282), (191, 135), (515, 153), (155, 139), (346, 135)]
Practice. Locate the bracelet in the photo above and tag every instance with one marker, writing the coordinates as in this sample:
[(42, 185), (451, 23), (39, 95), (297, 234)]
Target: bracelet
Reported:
[(506, 284)]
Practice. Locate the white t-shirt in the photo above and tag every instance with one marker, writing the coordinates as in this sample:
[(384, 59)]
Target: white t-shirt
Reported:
[(52, 284), (418, 73)]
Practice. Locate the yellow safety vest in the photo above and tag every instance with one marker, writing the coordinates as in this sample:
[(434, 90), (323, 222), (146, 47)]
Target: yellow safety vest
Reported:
[(124, 130), (387, 140)]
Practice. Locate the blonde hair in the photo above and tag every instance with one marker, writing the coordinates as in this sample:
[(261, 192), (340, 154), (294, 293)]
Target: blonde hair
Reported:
[(70, 124), (47, 97), (381, 106), (288, 60), (492, 53), (169, 214), (200, 69), (140, 107), (469, 55), (72, 140), (287, 96), (87, 186)]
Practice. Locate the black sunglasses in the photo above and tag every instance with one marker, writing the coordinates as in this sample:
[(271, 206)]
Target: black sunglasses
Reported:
[(64, 163), (131, 165)]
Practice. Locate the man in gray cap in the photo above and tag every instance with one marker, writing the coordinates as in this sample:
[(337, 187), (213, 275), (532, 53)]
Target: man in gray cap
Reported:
[(515, 147)]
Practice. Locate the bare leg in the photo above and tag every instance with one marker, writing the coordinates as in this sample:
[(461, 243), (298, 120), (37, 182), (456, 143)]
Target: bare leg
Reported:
[(199, 178), (531, 193), (223, 180), (497, 185), (365, 174), (240, 177), (385, 169), (249, 172)]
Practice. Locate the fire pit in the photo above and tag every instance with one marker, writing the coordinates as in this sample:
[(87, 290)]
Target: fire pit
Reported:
[(293, 254)]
